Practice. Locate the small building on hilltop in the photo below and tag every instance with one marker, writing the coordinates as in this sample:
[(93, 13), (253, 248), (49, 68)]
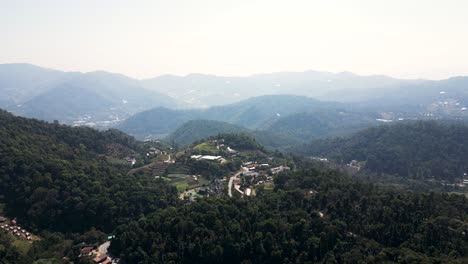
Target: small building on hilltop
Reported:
[(279, 169)]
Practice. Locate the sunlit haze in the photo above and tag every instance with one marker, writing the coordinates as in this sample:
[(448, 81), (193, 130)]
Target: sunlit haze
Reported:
[(406, 39)]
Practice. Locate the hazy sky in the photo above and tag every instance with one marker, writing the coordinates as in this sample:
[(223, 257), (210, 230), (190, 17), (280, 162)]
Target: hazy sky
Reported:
[(402, 38)]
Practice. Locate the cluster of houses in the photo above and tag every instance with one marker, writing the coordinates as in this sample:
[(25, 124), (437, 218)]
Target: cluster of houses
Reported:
[(255, 174), (279, 169), (216, 188), (91, 251), (12, 228), (221, 146), (96, 255), (254, 166), (153, 152), (255, 178)]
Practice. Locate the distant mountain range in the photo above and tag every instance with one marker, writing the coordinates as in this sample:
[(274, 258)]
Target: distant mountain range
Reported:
[(296, 118), (208, 90), (278, 102), (441, 98), (397, 97), (95, 98)]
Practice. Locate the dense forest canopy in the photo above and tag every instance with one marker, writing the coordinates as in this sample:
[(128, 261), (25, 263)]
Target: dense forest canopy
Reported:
[(312, 216), (419, 150), (55, 178), (59, 178), (196, 130)]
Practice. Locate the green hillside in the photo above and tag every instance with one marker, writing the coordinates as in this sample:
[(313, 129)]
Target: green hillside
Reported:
[(253, 113), (340, 221), (195, 130), (322, 123), (419, 150), (57, 177)]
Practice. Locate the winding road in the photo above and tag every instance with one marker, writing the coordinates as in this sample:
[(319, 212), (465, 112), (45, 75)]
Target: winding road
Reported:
[(231, 180), (103, 247)]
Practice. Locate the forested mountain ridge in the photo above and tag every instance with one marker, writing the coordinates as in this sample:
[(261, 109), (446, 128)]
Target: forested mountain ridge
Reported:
[(252, 113), (418, 150), (55, 177), (258, 113), (195, 130), (322, 123)]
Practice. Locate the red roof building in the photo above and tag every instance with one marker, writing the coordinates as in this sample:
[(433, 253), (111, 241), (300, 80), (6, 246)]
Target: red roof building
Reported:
[(101, 258)]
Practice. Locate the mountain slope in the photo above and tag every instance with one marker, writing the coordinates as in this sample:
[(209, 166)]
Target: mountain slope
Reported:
[(21, 82), (322, 123), (97, 96), (418, 150), (195, 130), (65, 103), (255, 113), (75, 98), (56, 177)]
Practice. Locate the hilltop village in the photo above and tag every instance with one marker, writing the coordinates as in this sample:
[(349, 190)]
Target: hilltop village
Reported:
[(233, 165), (224, 165)]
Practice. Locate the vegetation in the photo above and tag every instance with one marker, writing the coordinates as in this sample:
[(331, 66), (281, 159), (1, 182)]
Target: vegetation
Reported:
[(418, 150), (206, 148), (340, 221), (319, 124), (196, 130), (240, 142), (276, 116), (56, 177), (65, 185)]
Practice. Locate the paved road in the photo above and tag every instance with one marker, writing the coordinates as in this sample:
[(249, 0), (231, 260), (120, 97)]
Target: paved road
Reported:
[(103, 247), (243, 169)]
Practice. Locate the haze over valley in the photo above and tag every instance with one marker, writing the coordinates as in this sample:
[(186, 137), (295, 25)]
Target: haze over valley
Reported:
[(278, 102)]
